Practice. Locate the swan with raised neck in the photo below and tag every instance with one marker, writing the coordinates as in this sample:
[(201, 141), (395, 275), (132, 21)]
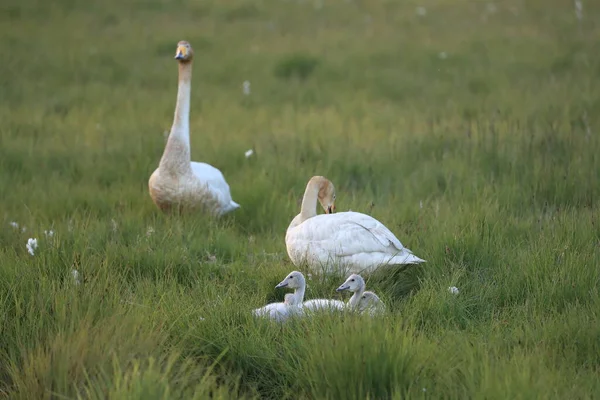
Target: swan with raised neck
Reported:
[(355, 284), (178, 183)]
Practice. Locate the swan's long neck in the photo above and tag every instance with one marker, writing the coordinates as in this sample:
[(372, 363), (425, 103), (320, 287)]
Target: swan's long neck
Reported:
[(176, 157), (299, 295), (309, 201), (353, 302)]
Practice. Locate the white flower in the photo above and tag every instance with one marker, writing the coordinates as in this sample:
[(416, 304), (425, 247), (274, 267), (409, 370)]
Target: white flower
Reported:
[(421, 11), (31, 245), (443, 55), (421, 204), (453, 290), (309, 277), (149, 231), (49, 233), (14, 225), (249, 153), (246, 87), (424, 390), (75, 274), (579, 9), (114, 225)]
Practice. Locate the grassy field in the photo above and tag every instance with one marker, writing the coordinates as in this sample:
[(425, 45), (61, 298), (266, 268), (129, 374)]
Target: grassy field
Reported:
[(471, 129)]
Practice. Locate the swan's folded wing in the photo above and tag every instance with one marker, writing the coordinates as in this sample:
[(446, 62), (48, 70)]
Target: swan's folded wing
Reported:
[(377, 229)]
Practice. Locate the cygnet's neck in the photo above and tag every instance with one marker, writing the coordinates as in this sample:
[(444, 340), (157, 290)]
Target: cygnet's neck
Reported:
[(299, 294), (309, 201), (176, 157), (355, 299)]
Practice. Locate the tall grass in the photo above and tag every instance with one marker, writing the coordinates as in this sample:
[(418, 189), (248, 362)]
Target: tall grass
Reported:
[(483, 160)]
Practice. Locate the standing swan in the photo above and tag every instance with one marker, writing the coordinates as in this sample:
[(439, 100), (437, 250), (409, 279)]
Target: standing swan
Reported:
[(177, 183), (353, 241)]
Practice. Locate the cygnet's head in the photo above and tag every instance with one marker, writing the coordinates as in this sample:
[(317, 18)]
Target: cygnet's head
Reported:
[(370, 301), (326, 194), (184, 52), (289, 299), (294, 280), (354, 283)]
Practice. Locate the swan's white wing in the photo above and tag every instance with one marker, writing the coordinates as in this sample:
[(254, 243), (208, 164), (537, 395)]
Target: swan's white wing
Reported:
[(214, 179), (347, 233), (206, 173)]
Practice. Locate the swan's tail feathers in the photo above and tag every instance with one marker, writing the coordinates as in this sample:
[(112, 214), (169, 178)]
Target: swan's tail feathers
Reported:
[(406, 257), (231, 207)]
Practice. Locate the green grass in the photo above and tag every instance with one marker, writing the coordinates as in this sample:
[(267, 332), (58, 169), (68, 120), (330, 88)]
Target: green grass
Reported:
[(485, 163)]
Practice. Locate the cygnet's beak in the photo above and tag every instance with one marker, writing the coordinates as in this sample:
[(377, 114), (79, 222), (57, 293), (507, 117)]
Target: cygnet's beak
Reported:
[(342, 288), (281, 284)]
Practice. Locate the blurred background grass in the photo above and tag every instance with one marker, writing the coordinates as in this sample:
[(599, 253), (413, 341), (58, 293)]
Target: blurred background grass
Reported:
[(469, 128)]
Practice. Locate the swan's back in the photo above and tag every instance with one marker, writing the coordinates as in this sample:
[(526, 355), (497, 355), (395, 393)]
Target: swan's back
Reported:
[(279, 311), (323, 305)]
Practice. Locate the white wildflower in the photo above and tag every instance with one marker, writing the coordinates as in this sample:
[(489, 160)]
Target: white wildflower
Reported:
[(249, 153), (24, 229), (149, 231), (31, 246), (421, 204), (49, 233), (75, 274), (114, 225), (246, 87), (421, 11), (14, 225), (443, 55), (424, 390), (579, 9), (309, 277), (453, 290)]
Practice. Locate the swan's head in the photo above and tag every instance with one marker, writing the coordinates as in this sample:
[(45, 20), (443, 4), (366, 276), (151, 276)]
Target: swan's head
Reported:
[(354, 283), (294, 280), (184, 52), (326, 194), (369, 301)]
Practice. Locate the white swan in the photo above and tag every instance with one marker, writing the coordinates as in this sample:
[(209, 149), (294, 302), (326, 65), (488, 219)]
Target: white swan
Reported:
[(353, 241), (355, 284), (370, 303), (178, 183), (278, 311), (361, 300), (295, 280)]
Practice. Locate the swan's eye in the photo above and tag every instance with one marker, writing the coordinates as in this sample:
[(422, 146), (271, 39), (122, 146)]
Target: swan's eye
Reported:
[(351, 280)]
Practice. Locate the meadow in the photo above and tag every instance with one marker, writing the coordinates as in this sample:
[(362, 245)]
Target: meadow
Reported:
[(469, 128)]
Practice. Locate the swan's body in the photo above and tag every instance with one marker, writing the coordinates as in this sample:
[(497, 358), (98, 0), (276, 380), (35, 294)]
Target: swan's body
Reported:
[(178, 183), (279, 311), (352, 241), (323, 305)]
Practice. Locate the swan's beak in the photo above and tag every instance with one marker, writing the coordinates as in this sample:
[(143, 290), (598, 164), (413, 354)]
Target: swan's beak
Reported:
[(342, 288), (331, 209), (281, 284), (181, 52)]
